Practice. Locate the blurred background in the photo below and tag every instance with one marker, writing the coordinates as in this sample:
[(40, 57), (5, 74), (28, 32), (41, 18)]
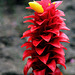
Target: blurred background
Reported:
[(12, 28)]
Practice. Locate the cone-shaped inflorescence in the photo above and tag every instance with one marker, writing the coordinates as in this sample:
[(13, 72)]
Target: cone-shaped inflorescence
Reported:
[(44, 38)]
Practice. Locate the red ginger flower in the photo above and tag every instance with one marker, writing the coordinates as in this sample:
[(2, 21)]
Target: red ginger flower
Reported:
[(44, 39)]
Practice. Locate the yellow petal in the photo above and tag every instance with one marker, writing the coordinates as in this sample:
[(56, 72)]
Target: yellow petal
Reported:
[(36, 7), (49, 4), (53, 2)]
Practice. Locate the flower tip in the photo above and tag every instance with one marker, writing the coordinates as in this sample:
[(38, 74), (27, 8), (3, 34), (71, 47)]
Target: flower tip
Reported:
[(23, 59), (36, 7), (49, 4), (61, 73), (69, 29), (54, 2), (30, 3), (65, 67), (22, 37)]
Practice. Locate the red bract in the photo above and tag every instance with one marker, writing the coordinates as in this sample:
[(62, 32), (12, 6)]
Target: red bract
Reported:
[(44, 40)]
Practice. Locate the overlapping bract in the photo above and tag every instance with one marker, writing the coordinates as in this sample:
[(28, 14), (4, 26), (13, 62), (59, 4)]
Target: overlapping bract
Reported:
[(44, 40)]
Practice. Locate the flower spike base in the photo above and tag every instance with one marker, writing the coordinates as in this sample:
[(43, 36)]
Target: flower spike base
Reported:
[(44, 38)]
